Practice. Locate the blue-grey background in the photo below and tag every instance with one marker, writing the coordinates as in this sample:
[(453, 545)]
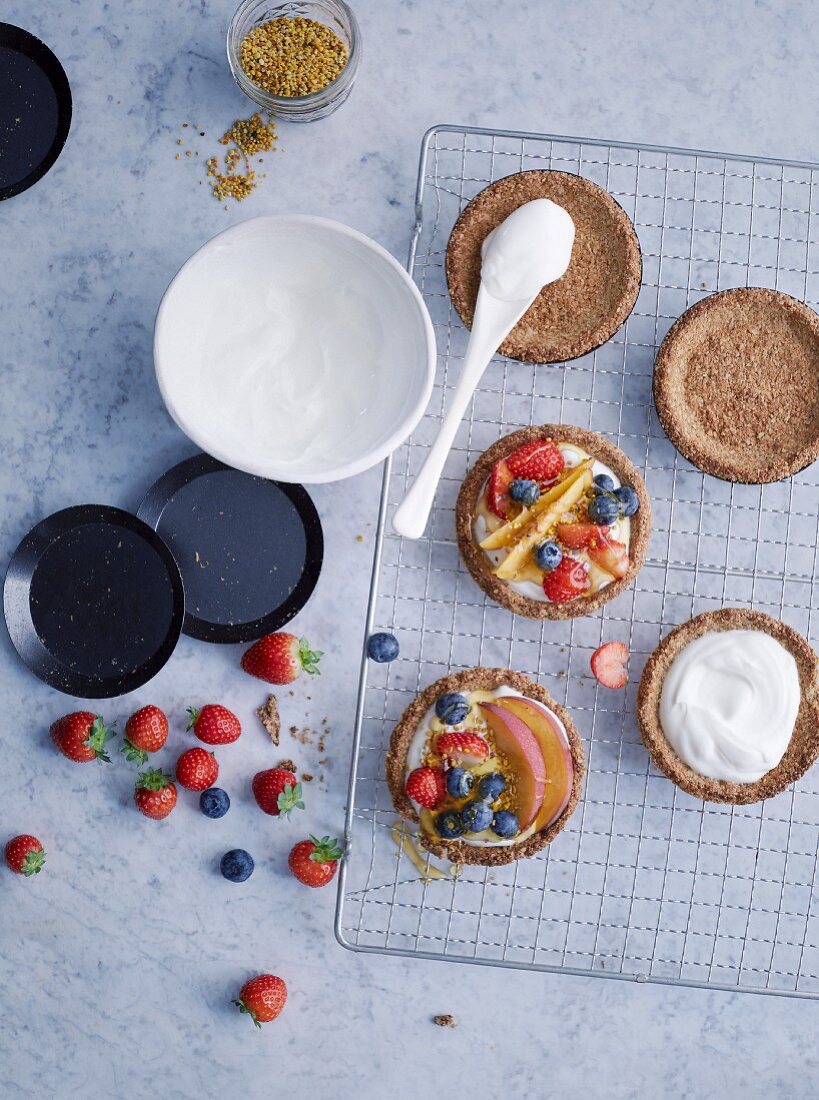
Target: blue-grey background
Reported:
[(118, 961)]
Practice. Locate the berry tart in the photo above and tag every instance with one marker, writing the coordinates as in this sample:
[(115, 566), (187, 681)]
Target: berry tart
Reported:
[(590, 302), (553, 521), (728, 706), (736, 385), (488, 764)]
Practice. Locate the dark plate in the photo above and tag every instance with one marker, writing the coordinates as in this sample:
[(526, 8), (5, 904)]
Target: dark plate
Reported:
[(249, 550), (35, 109), (94, 601)]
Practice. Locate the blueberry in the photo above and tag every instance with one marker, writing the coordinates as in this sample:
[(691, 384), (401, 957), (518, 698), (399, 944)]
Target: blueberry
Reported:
[(452, 708), (603, 481), (237, 865), (548, 555), (604, 510), (524, 491), (214, 802), (505, 824), (476, 816), (382, 648), (449, 824), (628, 499), (491, 786), (459, 782)]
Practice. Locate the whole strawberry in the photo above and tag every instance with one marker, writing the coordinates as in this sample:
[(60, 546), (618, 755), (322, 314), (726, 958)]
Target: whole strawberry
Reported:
[(280, 658), (145, 731), (155, 793), (25, 855), (214, 724), (197, 769), (277, 791), (81, 736), (314, 861), (262, 998)]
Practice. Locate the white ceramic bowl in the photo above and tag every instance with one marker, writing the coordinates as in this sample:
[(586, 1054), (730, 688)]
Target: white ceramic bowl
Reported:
[(294, 348)]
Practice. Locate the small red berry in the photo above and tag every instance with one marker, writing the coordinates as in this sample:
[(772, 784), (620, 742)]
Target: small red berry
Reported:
[(262, 998), (197, 769), (25, 855), (314, 861), (277, 791), (214, 724), (155, 794), (146, 731)]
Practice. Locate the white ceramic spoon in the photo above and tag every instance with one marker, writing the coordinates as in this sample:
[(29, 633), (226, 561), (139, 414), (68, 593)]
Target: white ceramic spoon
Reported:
[(526, 252)]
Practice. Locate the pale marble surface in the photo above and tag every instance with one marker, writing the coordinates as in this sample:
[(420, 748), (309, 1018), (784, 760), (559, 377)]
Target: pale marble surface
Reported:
[(119, 960)]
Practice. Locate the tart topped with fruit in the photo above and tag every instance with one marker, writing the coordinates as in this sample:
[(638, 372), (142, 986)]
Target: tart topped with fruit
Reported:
[(553, 521), (488, 764)]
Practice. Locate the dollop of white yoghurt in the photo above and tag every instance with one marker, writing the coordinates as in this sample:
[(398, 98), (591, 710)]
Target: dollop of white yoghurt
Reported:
[(729, 704), (530, 249)]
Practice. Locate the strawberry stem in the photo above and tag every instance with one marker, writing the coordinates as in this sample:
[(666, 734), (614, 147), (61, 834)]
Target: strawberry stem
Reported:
[(154, 779), (326, 850), (98, 734), (243, 1008), (309, 658), (193, 715), (290, 799), (132, 754), (33, 863)]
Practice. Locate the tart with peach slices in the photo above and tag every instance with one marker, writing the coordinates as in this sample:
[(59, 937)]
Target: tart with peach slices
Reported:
[(553, 521), (487, 764)]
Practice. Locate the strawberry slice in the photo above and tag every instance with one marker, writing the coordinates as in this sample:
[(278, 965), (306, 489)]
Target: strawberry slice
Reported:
[(610, 555), (462, 748), (497, 492), (567, 581), (577, 536), (539, 460), (609, 664)]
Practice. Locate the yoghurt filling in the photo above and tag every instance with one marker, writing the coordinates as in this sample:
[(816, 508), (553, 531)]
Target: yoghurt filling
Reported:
[(729, 704), (421, 752)]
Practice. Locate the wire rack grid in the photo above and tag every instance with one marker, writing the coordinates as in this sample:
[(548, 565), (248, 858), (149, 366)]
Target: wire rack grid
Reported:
[(645, 882)]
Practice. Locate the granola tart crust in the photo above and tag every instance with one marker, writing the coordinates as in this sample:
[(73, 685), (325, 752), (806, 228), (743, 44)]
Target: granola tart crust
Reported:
[(474, 679), (804, 744), (594, 298), (720, 395), (481, 568)]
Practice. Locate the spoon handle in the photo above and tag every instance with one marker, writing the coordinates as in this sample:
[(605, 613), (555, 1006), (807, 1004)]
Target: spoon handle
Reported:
[(493, 321)]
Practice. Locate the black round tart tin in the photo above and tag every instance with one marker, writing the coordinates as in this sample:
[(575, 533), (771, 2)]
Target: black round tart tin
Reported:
[(249, 550), (94, 601), (35, 109)]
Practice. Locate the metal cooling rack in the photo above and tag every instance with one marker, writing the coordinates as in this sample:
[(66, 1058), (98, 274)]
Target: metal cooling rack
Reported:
[(645, 883)]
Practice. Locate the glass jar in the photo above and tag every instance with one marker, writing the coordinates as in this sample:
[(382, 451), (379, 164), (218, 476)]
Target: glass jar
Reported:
[(333, 13)]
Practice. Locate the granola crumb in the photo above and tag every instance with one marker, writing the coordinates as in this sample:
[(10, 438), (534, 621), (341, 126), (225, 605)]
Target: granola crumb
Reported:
[(288, 765), (269, 716), (306, 777), (445, 1021)]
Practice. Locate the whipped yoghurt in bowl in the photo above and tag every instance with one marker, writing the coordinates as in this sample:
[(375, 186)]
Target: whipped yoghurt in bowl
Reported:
[(729, 704), (294, 348)]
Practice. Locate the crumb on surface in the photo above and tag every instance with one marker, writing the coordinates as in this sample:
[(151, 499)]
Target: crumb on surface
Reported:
[(288, 765), (445, 1020), (269, 715), (307, 777)]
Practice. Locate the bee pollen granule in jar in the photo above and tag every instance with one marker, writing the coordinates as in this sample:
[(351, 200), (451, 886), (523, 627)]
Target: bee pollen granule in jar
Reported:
[(292, 57)]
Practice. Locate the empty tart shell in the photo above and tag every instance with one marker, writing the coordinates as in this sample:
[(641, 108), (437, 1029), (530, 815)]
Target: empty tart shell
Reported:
[(475, 679), (586, 307), (480, 566), (804, 744), (736, 385)]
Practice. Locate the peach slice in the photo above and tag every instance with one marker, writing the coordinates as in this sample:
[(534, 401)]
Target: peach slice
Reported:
[(556, 755), (516, 741)]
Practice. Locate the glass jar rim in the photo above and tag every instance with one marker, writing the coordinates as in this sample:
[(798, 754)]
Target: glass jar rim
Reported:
[(322, 94)]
